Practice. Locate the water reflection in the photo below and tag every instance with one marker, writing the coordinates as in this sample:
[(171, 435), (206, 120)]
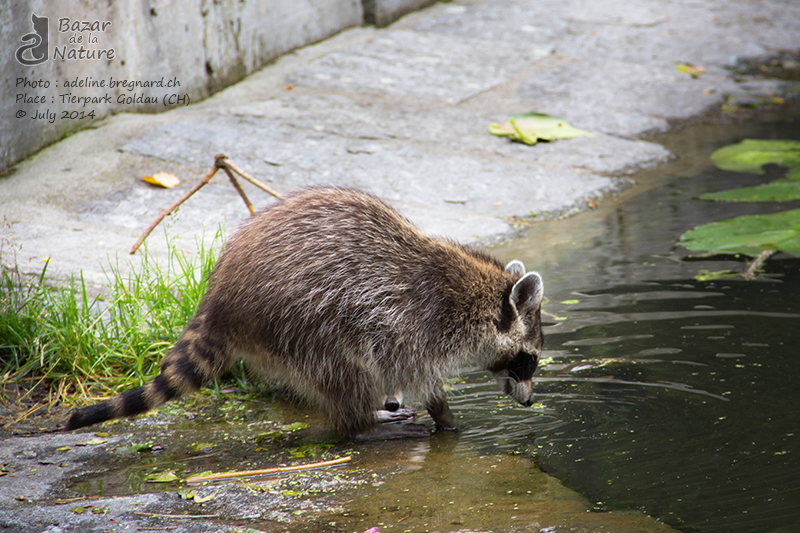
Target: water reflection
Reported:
[(441, 484), (702, 436), (665, 393)]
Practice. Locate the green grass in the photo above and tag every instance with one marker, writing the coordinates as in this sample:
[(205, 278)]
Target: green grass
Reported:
[(97, 346)]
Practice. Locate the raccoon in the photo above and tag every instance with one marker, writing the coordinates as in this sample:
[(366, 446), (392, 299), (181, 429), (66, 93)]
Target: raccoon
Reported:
[(336, 295), (393, 402)]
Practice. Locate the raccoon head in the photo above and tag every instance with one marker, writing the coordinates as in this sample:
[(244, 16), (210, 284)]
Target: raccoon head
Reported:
[(520, 335)]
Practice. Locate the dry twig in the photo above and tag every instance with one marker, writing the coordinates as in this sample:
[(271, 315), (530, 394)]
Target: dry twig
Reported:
[(161, 515), (230, 164), (751, 270), (276, 470), (220, 162)]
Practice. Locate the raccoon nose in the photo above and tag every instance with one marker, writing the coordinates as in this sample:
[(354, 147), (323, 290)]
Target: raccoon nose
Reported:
[(528, 402)]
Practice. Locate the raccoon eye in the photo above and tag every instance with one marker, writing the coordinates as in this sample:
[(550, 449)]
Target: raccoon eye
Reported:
[(522, 367)]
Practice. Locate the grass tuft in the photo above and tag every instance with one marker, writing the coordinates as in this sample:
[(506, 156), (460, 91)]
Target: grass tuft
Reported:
[(97, 346)]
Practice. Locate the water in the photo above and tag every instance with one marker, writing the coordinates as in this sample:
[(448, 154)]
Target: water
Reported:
[(667, 394)]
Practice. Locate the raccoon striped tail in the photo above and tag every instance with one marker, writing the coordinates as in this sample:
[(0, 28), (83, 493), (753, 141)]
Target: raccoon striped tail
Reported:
[(132, 402), (194, 360)]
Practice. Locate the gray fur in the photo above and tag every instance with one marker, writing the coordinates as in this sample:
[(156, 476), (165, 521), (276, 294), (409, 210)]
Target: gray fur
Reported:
[(335, 295), (515, 268), (528, 292)]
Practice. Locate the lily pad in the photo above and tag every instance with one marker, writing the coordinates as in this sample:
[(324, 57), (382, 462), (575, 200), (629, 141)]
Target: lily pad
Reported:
[(751, 155), (778, 191), (529, 128), (747, 235)]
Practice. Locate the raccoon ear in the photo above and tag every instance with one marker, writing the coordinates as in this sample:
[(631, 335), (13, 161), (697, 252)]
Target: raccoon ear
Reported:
[(527, 293), (515, 268)]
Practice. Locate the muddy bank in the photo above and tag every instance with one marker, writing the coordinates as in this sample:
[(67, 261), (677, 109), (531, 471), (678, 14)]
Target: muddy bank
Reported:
[(102, 480)]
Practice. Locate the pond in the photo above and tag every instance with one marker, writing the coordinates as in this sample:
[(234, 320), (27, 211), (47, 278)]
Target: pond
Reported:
[(662, 396), (668, 394)]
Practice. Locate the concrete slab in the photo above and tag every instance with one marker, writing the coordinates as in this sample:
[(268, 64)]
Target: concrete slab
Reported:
[(419, 65), (404, 113), (443, 183)]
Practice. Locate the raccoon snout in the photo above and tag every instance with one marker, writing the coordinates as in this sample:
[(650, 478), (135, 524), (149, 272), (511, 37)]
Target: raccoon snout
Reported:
[(521, 391), (528, 402), (391, 404)]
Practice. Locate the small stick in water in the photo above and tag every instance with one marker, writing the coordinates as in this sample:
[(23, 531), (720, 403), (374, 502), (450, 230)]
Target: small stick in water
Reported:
[(276, 470), (750, 272)]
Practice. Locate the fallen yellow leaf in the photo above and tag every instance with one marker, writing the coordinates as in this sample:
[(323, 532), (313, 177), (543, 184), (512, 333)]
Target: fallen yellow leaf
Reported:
[(164, 179), (688, 68)]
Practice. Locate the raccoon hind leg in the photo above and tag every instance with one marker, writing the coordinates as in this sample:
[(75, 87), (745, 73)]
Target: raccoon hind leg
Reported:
[(350, 404), (440, 411)]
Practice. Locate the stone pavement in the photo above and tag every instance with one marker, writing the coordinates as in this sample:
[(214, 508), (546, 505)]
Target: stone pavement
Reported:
[(403, 112)]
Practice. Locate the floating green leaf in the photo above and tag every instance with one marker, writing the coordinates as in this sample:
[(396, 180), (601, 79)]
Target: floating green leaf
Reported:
[(529, 128), (163, 477), (757, 236), (748, 235), (309, 450), (202, 499), (778, 191), (752, 154), (295, 426), (710, 275)]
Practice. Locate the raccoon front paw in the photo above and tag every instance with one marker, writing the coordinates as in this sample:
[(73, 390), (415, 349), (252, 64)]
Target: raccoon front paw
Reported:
[(383, 416)]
